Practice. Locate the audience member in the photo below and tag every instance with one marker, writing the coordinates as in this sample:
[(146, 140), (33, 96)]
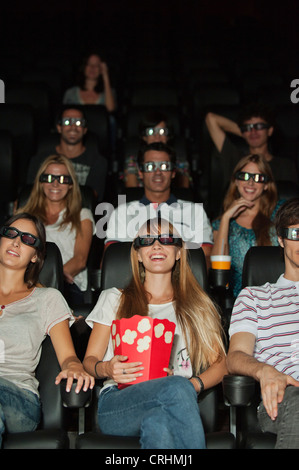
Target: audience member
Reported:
[(163, 412), (28, 313), (56, 200), (264, 337), (93, 84), (90, 166), (248, 210), (156, 162), (255, 125), (155, 127)]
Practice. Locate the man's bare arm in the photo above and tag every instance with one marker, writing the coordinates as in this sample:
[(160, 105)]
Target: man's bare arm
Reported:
[(218, 126), (273, 383)]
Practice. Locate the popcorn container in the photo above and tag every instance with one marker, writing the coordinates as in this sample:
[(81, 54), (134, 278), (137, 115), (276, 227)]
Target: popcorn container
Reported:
[(146, 340)]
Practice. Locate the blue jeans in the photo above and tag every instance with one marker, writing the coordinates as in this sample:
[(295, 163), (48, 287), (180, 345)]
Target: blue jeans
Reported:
[(286, 425), (19, 409), (163, 412)]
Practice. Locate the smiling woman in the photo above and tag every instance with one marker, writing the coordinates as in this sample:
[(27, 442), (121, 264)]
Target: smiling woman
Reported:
[(249, 207), (163, 412), (28, 313), (56, 199)]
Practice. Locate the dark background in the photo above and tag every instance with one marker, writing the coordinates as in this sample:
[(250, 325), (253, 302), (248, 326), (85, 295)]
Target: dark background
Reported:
[(181, 44), (35, 29)]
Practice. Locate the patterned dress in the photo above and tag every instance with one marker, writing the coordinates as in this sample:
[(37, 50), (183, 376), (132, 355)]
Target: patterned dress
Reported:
[(240, 239)]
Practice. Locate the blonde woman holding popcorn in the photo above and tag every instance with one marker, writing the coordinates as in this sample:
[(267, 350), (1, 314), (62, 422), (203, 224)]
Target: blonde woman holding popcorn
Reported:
[(163, 412)]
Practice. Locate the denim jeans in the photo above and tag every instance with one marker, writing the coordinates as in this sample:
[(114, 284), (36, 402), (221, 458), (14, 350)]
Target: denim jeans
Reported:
[(163, 412), (19, 409), (286, 425)]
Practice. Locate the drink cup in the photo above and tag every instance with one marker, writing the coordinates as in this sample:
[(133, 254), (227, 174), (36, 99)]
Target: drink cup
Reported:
[(220, 261)]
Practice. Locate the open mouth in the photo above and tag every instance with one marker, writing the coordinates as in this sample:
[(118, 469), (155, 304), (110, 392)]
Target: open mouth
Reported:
[(12, 253), (157, 257)]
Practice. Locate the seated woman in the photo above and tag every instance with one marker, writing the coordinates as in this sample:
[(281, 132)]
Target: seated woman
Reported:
[(155, 127), (249, 207), (28, 313), (163, 412), (93, 84), (56, 199)]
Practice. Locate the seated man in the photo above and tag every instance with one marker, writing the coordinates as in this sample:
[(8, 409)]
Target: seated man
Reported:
[(264, 334), (256, 126), (89, 165), (156, 162)]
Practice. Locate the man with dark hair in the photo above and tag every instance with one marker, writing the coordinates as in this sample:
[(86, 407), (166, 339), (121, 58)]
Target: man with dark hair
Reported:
[(264, 336), (90, 166), (255, 125), (156, 163)]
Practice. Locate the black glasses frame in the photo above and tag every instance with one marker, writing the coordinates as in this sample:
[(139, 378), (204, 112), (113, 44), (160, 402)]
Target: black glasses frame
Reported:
[(49, 178), (149, 131), (150, 167), (72, 121), (141, 242), (290, 233), (258, 126), (25, 237), (256, 177)]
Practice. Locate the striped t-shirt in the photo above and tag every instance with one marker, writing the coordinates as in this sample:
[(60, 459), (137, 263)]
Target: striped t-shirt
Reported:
[(271, 313)]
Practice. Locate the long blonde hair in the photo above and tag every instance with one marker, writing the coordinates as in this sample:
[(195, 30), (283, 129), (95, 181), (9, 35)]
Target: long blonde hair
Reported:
[(36, 203), (195, 312), (262, 222)]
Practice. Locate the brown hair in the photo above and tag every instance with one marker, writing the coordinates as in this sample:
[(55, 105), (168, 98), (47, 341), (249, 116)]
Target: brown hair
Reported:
[(287, 215), (33, 269), (195, 311), (262, 222)]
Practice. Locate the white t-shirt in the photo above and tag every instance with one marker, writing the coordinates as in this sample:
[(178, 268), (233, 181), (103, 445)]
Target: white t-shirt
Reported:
[(65, 239), (105, 310), (188, 218), (271, 313), (24, 325)]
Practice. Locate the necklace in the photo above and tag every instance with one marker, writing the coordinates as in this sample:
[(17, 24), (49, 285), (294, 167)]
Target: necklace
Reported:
[(1, 309)]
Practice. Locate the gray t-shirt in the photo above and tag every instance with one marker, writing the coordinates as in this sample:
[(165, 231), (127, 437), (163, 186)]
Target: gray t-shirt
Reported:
[(24, 325)]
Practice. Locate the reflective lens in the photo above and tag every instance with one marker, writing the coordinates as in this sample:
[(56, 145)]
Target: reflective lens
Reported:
[(256, 177), (26, 238), (148, 167), (78, 122), (290, 233), (156, 131), (140, 242), (62, 179), (258, 126)]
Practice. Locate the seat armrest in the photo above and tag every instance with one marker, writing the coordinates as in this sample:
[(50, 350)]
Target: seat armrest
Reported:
[(72, 399), (238, 390)]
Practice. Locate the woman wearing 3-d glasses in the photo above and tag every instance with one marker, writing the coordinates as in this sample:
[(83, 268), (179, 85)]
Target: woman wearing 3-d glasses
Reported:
[(249, 207), (29, 312), (56, 199)]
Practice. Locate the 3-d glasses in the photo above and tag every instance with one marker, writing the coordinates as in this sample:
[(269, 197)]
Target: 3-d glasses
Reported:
[(149, 167), (258, 126), (148, 240), (290, 233), (256, 177), (156, 131), (62, 179), (26, 238), (71, 121)]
